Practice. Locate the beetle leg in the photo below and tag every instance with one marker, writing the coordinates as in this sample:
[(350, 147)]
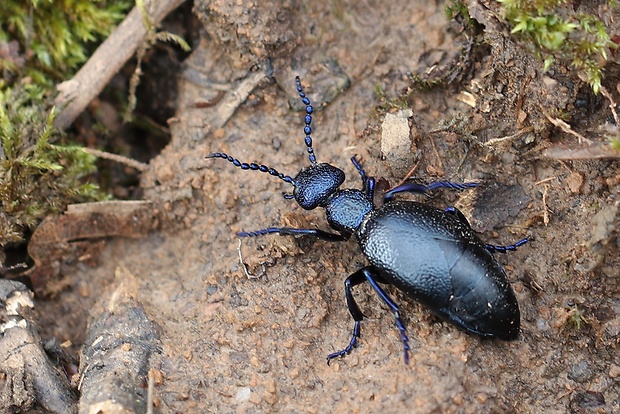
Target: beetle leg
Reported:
[(369, 188), (353, 280), (363, 275), (360, 169), (368, 183), (288, 231), (423, 189), (490, 247), (450, 185), (510, 247), (368, 273)]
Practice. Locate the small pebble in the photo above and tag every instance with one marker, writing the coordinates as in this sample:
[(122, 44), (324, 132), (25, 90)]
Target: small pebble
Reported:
[(574, 182), (580, 372)]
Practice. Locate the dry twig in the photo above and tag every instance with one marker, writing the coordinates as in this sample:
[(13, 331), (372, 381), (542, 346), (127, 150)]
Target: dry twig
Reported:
[(494, 141), (140, 166), (612, 103), (565, 127)]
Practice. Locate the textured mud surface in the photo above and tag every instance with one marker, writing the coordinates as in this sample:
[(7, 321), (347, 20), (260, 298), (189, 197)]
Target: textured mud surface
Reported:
[(254, 337)]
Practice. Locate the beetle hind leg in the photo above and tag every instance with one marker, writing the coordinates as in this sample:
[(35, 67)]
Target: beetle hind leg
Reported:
[(490, 247), (503, 249), (349, 348), (372, 279)]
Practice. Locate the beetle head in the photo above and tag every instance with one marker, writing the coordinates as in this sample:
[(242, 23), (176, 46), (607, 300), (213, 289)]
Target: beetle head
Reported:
[(315, 184)]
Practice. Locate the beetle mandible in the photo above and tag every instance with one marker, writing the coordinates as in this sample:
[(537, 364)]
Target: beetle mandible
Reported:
[(432, 255)]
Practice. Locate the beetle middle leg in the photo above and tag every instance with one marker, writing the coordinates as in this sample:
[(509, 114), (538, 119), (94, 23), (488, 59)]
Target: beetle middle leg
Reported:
[(370, 275), (459, 215), (423, 189), (353, 280), (372, 279), (368, 183)]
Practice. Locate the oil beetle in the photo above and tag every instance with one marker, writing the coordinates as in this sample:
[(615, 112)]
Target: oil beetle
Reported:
[(432, 255)]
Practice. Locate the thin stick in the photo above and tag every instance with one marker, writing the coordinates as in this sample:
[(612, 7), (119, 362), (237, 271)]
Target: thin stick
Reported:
[(149, 395), (545, 180), (612, 103), (544, 202), (564, 127), (494, 141), (140, 166), (408, 176)]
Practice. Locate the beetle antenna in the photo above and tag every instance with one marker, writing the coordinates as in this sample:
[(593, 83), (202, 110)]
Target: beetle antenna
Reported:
[(252, 166), (307, 119)]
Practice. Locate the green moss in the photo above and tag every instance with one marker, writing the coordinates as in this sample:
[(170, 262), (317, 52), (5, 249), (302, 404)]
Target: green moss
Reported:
[(425, 83), (37, 177), (555, 32), (576, 318), (51, 38), (458, 8), (614, 143), (387, 104), (43, 42)]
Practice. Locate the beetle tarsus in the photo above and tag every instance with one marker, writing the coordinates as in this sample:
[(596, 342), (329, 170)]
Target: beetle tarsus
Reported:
[(349, 348), (509, 248)]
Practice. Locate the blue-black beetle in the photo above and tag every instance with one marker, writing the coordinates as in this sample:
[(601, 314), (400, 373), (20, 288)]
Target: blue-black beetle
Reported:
[(432, 255)]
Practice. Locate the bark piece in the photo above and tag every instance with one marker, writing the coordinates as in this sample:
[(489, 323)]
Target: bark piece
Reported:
[(76, 236)]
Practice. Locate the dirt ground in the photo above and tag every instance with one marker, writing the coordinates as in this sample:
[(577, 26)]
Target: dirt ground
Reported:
[(254, 337)]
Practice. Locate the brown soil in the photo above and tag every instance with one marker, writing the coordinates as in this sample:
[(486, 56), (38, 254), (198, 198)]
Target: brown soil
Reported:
[(237, 343)]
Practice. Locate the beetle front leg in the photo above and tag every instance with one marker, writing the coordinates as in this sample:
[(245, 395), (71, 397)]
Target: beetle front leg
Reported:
[(288, 231), (368, 183)]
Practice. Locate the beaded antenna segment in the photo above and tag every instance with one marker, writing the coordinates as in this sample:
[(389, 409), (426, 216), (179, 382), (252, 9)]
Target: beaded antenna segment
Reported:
[(272, 171), (252, 166), (307, 119)]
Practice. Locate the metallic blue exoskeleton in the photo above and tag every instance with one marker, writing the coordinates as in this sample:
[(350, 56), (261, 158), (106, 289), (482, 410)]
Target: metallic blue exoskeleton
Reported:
[(432, 255)]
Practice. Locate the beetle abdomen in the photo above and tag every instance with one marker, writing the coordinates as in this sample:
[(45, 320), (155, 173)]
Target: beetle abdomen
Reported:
[(482, 300), (438, 260)]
